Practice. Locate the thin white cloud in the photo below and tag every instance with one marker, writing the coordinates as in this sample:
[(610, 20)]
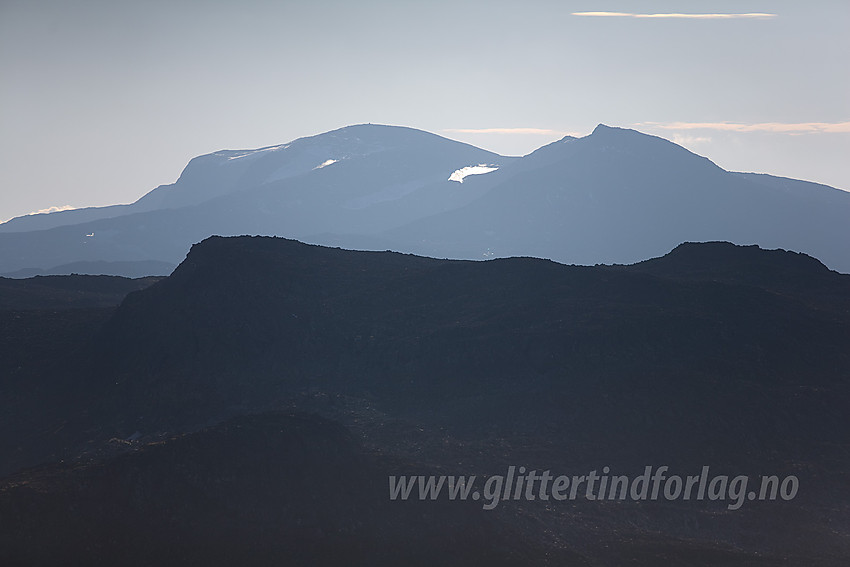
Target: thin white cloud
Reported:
[(52, 210), (522, 131), (775, 127), (684, 140), (751, 15)]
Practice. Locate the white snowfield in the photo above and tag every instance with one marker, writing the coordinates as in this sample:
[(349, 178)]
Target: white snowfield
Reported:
[(479, 169), (326, 163)]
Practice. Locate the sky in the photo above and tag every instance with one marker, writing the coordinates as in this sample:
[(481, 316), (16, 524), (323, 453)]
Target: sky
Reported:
[(101, 101)]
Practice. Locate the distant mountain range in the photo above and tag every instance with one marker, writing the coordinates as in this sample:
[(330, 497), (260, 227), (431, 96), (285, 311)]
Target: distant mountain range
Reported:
[(615, 196)]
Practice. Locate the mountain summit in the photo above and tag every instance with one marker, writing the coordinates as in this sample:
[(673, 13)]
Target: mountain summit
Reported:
[(614, 196)]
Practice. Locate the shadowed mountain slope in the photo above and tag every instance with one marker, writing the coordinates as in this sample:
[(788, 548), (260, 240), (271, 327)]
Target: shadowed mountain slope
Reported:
[(256, 490), (715, 355), (66, 292)]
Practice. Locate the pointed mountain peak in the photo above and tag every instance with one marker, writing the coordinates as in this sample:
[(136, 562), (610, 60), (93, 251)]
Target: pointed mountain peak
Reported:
[(647, 146), (603, 130), (625, 136)]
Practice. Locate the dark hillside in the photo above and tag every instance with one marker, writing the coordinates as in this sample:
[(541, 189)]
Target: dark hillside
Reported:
[(717, 355)]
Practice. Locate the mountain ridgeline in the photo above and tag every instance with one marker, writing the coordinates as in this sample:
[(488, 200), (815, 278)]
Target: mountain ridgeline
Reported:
[(614, 196), (260, 396)]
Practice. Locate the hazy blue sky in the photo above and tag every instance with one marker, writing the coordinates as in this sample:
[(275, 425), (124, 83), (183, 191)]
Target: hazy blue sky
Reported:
[(103, 100)]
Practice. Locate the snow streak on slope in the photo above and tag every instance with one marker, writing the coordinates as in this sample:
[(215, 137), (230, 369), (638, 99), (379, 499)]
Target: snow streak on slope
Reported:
[(479, 169)]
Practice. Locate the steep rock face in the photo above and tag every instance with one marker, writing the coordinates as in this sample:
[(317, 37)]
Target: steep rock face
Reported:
[(614, 196)]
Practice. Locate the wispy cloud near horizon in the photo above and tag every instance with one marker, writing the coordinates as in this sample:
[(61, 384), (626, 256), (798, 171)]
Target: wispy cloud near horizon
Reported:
[(52, 210), (750, 15), (775, 127), (684, 140)]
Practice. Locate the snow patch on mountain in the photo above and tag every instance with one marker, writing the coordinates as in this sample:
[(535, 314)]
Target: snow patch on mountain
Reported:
[(479, 169), (256, 153), (326, 163)]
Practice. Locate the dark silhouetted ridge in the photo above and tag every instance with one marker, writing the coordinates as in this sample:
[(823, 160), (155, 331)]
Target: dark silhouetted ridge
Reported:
[(777, 270), (174, 413), (712, 259)]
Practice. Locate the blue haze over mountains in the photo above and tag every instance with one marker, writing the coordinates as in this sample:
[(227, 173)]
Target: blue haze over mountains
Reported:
[(615, 196)]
